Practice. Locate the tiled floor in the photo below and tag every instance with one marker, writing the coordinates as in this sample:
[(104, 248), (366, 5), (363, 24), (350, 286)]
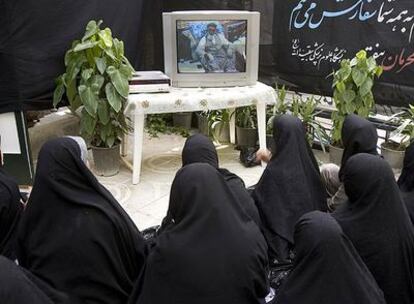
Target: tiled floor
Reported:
[(147, 202)]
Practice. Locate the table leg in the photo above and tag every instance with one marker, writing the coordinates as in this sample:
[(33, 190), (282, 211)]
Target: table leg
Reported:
[(261, 125), (137, 153), (232, 125)]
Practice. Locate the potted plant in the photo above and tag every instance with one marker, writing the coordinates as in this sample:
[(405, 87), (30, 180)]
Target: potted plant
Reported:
[(246, 126), (281, 107), (219, 125), (306, 109), (352, 84), (202, 121), (393, 148), (96, 87)]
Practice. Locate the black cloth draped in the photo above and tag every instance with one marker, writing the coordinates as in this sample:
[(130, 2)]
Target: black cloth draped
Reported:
[(376, 221), (358, 136), (327, 268), (200, 149), (74, 236), (10, 213), (406, 180), (289, 187), (211, 252)]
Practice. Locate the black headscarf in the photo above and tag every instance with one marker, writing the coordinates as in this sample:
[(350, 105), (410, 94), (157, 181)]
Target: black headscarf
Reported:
[(10, 212), (377, 223), (199, 148), (74, 235), (406, 181), (358, 136), (212, 253), (290, 185), (327, 268)]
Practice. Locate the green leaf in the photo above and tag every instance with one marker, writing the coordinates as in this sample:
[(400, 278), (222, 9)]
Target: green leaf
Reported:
[(110, 141), (106, 36), (92, 28), (379, 71), (348, 96), (101, 64), (59, 90), (89, 99), (371, 64), (119, 80), (119, 48), (362, 54), (126, 71), (114, 99), (96, 83), (88, 123), (75, 103), (71, 91), (85, 45), (350, 108), (366, 87), (103, 112), (359, 76), (341, 86), (86, 74)]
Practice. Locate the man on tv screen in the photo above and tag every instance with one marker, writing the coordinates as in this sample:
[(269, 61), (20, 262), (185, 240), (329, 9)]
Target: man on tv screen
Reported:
[(215, 52)]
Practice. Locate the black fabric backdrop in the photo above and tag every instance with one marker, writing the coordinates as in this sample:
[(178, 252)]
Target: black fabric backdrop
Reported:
[(35, 34)]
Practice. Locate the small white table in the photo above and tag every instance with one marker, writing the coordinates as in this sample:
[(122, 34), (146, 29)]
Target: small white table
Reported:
[(196, 99)]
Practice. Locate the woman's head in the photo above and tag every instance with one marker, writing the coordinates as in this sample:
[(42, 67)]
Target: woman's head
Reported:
[(199, 149)]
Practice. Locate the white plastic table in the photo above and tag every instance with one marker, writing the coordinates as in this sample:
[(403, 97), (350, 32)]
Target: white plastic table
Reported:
[(191, 100)]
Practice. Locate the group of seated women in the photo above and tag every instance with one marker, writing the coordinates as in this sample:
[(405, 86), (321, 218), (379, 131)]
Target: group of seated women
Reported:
[(73, 243)]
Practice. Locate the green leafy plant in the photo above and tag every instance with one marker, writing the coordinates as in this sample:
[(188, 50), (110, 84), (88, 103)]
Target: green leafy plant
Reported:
[(96, 85), (246, 117), (307, 111), (217, 120), (352, 84), (403, 135), (281, 107), (162, 124)]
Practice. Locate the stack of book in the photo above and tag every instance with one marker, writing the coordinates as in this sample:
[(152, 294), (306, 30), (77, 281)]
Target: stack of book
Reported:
[(149, 82)]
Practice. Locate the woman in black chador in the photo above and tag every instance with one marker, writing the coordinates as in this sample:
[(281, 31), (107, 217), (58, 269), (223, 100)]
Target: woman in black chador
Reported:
[(211, 252), (358, 136), (406, 181), (74, 236), (327, 268), (11, 209), (200, 149), (289, 187), (376, 221)]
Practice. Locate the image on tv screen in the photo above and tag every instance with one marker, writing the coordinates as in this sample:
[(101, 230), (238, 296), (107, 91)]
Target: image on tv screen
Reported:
[(211, 46)]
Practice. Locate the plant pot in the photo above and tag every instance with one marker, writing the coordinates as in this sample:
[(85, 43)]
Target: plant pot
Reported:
[(246, 137), (270, 143), (182, 119), (394, 157), (222, 132), (107, 160), (335, 154), (203, 124)]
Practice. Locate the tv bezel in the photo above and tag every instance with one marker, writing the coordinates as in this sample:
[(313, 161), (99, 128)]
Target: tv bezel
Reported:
[(249, 77)]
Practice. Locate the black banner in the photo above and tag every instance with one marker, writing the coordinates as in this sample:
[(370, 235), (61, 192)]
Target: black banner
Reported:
[(312, 36)]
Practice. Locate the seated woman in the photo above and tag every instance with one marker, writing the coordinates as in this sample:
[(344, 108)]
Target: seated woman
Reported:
[(327, 268), (358, 136), (376, 221), (10, 212), (289, 187), (406, 181), (74, 236), (211, 252), (200, 149)]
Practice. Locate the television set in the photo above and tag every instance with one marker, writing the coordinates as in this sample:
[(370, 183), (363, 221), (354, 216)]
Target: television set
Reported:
[(211, 48)]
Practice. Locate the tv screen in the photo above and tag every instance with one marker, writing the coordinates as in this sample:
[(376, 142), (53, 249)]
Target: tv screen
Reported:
[(211, 46)]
